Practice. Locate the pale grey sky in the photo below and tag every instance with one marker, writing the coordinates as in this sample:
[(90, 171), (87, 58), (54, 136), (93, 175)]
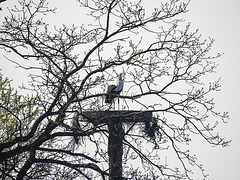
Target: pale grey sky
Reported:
[(219, 20)]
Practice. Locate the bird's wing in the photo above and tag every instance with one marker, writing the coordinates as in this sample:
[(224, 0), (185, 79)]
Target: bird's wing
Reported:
[(111, 89), (109, 94)]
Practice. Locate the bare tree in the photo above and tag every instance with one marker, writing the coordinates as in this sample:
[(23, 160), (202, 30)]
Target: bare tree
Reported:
[(164, 63)]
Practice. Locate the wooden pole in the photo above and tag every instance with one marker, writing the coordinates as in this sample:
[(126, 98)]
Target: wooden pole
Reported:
[(114, 120), (115, 150)]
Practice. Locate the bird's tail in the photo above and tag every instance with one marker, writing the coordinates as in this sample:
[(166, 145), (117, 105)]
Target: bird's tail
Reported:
[(109, 99), (76, 139)]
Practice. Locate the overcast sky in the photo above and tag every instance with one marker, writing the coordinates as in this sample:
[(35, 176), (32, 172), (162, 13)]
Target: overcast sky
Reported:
[(218, 19)]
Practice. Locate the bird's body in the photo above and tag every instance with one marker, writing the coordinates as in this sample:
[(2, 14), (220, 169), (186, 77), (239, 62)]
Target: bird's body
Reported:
[(114, 89)]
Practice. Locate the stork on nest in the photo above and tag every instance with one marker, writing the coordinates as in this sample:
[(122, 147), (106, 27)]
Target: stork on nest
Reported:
[(114, 89)]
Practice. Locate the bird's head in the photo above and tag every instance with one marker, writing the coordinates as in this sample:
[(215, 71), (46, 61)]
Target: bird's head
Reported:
[(120, 76)]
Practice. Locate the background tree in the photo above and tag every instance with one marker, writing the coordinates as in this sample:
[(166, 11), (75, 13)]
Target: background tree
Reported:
[(16, 114), (165, 64)]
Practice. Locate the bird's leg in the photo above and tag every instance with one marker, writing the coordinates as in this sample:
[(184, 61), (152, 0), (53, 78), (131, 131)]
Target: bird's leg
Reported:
[(118, 104), (114, 105)]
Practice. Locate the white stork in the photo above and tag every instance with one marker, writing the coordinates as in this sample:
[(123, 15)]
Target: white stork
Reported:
[(115, 88)]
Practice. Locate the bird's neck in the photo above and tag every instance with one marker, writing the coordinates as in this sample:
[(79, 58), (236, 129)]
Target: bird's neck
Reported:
[(116, 81)]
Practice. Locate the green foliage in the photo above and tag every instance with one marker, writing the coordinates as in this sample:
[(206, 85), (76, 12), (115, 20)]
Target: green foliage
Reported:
[(16, 111)]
